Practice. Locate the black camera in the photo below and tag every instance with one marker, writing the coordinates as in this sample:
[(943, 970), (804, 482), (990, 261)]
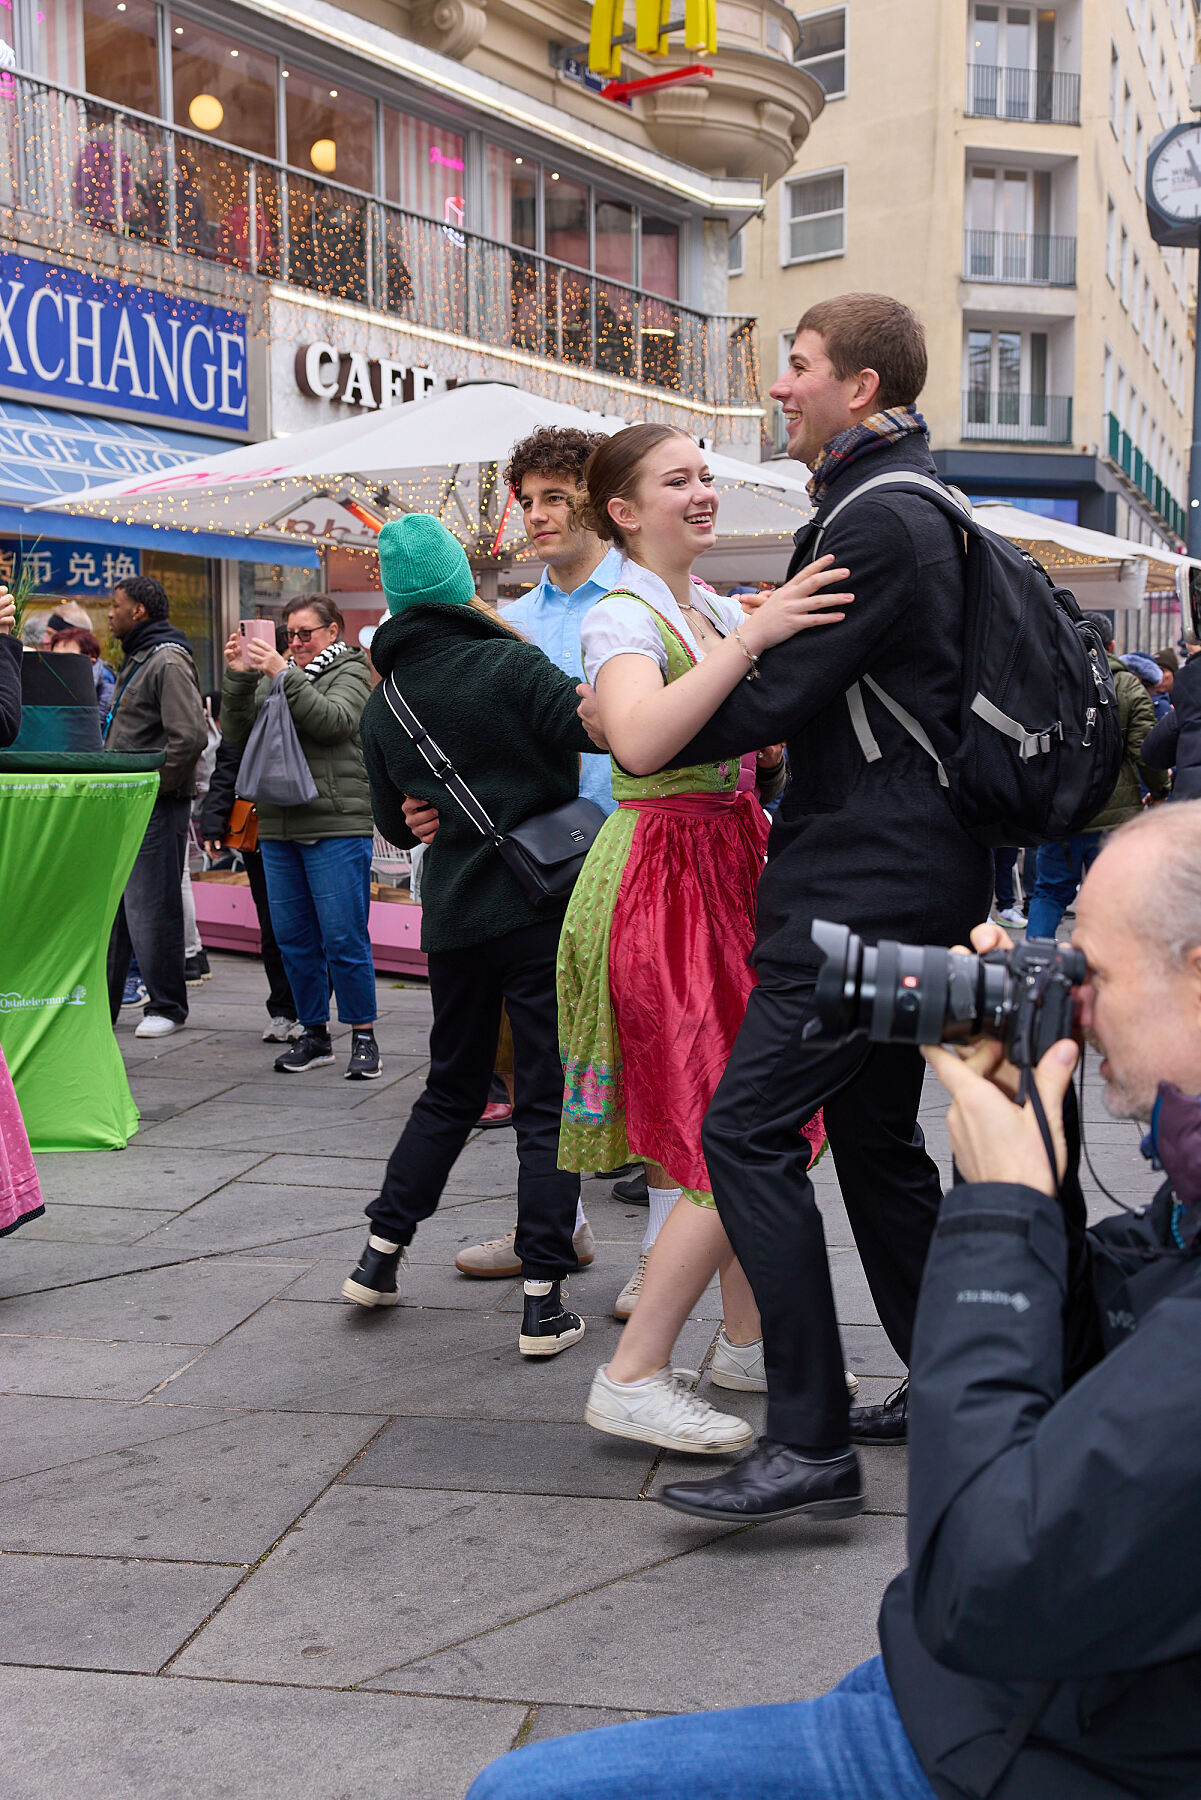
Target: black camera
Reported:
[(923, 994)]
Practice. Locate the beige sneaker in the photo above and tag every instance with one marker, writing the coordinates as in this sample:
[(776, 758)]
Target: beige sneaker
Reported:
[(625, 1302), (740, 1366), (495, 1260)]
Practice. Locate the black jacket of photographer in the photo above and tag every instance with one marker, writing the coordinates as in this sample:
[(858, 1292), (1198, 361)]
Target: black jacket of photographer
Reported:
[(1176, 741), (1045, 1641), (873, 845)]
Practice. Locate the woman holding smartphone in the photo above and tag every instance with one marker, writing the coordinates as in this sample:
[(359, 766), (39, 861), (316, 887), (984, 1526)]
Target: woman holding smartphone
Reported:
[(316, 857)]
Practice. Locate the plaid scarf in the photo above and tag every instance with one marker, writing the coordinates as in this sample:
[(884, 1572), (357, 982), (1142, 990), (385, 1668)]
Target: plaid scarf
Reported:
[(860, 440)]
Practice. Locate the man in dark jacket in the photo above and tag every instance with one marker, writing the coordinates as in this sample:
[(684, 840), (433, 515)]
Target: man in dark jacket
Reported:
[(1045, 1641), (156, 706), (1175, 743), (11, 651), (864, 835)]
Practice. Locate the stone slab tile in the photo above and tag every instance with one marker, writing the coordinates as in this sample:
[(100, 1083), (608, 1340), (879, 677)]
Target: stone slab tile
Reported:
[(337, 1095), (257, 1128), (853, 1301), (101, 1612), (189, 1303), (420, 1284), (868, 1352), (447, 1565), (38, 1434), (220, 1491), (310, 1171), (252, 1213), (565, 1721), (66, 1224), (98, 1736), (183, 1088), (86, 1371), (31, 1266), (774, 1612), (511, 1456), (140, 1176)]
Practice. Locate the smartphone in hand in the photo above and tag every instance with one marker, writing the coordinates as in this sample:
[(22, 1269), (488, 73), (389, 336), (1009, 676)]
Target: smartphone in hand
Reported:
[(262, 629)]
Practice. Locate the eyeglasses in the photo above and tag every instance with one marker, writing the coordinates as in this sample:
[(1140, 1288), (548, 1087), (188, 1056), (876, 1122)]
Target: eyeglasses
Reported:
[(301, 635)]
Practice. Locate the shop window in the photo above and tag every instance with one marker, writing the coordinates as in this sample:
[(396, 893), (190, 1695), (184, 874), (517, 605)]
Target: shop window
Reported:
[(822, 51), (331, 129), (567, 208), (511, 210), (661, 256), (120, 52), (615, 240), (222, 89), (425, 168), (815, 217)]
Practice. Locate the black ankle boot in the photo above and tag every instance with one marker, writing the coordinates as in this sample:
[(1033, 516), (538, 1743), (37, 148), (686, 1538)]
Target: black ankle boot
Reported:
[(546, 1326)]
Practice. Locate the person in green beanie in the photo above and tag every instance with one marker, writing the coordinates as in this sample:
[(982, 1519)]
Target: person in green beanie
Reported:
[(506, 717)]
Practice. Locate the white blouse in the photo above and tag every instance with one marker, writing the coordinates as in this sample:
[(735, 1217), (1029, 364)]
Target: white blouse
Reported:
[(619, 626)]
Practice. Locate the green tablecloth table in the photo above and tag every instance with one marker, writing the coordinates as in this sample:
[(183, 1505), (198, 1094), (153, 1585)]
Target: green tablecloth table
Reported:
[(67, 845)]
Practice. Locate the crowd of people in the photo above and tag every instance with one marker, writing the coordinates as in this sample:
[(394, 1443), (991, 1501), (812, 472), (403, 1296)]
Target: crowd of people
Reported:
[(664, 1028)]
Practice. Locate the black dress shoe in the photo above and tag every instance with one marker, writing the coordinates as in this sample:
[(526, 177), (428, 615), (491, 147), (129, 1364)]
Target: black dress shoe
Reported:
[(773, 1482), (632, 1190), (887, 1423)]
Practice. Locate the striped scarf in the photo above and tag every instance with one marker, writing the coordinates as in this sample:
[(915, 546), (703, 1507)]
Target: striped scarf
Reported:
[(321, 663), (860, 440)]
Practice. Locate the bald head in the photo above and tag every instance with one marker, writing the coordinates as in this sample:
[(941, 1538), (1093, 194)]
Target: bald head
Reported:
[(1138, 922)]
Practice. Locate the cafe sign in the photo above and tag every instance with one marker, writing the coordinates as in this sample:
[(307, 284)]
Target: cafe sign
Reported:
[(324, 372)]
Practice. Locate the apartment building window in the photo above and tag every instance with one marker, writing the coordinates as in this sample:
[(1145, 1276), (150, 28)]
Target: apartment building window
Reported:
[(1012, 58), (1127, 123), (1007, 378), (1124, 267), (1115, 90), (1138, 150), (1136, 291), (737, 253), (822, 51), (1111, 240), (814, 217)]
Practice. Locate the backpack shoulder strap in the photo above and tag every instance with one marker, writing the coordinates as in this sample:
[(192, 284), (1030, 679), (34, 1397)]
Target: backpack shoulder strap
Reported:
[(437, 760), (914, 483)]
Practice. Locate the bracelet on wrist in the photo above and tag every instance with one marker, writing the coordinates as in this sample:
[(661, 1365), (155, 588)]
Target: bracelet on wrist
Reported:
[(753, 672)]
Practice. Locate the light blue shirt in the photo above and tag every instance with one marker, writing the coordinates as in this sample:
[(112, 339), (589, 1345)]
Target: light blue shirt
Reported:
[(551, 619)]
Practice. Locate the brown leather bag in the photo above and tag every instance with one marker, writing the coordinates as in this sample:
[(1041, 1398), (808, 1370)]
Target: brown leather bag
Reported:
[(242, 831)]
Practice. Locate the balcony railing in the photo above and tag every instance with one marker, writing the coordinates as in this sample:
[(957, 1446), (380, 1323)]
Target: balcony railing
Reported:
[(1130, 459), (69, 162), (1017, 418), (1047, 96), (1020, 258)]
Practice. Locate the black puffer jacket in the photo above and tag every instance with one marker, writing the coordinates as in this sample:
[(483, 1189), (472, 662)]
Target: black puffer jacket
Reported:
[(11, 652), (1045, 1641), (1176, 741)]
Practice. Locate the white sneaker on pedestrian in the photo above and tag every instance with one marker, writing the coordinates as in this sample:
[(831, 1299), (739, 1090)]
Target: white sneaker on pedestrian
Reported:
[(740, 1366), (155, 1025), (1012, 915), (663, 1410), (283, 1031), (626, 1301)]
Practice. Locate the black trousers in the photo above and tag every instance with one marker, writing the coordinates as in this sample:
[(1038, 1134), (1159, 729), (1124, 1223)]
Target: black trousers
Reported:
[(467, 988), (149, 919), (280, 1004), (758, 1164)]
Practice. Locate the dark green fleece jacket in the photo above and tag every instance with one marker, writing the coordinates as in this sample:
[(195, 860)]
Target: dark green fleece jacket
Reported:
[(506, 717), (325, 713)]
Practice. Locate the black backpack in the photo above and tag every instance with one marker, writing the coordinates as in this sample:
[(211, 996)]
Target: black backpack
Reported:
[(1041, 741)]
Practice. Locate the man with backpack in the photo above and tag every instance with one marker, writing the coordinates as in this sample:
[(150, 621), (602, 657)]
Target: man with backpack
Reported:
[(867, 835)]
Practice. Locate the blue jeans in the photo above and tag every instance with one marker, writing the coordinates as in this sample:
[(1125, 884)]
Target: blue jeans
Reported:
[(1058, 872), (319, 895), (849, 1745)]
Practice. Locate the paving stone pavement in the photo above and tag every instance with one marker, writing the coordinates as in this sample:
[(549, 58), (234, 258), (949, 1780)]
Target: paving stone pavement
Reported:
[(255, 1542)]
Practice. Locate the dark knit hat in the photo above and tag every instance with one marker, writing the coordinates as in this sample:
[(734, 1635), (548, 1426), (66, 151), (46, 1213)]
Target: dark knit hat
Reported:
[(420, 560)]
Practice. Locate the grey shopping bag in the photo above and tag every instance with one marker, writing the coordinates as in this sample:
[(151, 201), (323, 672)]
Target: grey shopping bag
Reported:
[(273, 770)]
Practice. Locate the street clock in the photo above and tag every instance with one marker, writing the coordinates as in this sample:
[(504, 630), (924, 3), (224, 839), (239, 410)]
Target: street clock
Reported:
[(1174, 186)]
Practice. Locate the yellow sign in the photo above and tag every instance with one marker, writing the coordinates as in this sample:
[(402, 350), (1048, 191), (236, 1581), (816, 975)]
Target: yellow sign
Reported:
[(650, 30)]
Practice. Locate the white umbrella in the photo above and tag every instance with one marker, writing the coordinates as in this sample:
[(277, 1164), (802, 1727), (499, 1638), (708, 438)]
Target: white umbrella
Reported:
[(441, 455)]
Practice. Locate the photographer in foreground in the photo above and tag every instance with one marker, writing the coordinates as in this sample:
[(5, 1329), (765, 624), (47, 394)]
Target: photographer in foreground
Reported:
[(1045, 1641)]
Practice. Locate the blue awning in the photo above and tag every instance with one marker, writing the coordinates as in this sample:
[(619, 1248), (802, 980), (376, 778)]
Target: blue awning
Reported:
[(45, 453)]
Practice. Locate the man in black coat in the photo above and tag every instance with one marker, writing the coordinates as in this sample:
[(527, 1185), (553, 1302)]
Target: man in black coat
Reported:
[(1045, 1641), (1175, 742), (10, 671), (865, 835)]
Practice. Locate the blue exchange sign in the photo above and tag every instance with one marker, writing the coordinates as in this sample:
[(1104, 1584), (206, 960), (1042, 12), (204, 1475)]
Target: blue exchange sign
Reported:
[(81, 338)]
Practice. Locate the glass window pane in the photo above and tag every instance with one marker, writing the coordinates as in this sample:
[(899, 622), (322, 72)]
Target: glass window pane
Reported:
[(979, 361), (822, 194), (222, 88), (661, 256), (823, 32), (615, 239), (566, 220), (816, 237), (1009, 362), (984, 38), (424, 168), (512, 197), (331, 129), (120, 53)]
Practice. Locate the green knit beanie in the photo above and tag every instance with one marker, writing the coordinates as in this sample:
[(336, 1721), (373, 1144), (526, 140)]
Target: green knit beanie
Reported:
[(420, 560)]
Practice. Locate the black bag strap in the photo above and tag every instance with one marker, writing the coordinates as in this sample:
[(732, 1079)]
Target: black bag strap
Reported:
[(914, 483), (438, 762)]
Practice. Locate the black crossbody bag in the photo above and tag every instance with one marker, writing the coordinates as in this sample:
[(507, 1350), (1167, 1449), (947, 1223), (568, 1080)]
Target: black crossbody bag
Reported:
[(545, 852)]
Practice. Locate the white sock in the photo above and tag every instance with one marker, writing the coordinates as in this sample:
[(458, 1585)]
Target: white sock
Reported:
[(662, 1200), (579, 1216), (381, 1243), (538, 1289)]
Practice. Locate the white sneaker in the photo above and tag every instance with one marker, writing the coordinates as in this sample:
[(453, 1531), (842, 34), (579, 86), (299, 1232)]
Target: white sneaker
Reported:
[(625, 1302), (283, 1031), (741, 1366), (663, 1410), (1012, 915), (156, 1025)]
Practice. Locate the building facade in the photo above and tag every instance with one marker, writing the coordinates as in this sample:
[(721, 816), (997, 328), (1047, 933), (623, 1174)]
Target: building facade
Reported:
[(983, 160), (244, 220)]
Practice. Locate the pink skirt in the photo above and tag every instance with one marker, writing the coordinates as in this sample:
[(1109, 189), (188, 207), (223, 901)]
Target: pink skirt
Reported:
[(20, 1191)]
